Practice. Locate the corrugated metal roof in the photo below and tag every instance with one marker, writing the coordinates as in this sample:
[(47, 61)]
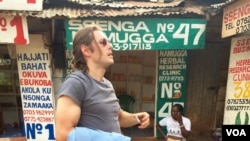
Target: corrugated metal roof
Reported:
[(222, 4), (74, 13), (131, 4), (212, 3)]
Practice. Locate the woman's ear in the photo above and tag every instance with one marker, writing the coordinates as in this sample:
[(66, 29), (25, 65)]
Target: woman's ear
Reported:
[(85, 50)]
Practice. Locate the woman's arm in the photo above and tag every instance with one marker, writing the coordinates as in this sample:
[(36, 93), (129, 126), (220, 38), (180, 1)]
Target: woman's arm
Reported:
[(67, 115), (185, 133), (128, 119)]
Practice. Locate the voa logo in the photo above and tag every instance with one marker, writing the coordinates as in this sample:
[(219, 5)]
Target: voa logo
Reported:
[(236, 132)]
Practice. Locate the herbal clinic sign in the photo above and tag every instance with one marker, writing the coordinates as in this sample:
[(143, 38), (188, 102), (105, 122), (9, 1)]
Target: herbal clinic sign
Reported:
[(36, 90), (13, 29), (145, 33), (237, 103), (26, 5), (171, 81), (236, 18)]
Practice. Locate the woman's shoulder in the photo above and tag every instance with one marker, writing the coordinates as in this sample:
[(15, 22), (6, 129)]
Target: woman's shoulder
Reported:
[(168, 118), (76, 78), (77, 75), (185, 118)]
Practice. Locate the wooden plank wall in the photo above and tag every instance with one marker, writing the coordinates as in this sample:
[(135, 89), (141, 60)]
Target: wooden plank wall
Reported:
[(207, 72)]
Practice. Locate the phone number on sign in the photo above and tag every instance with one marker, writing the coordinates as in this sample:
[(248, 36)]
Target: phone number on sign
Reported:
[(170, 78), (38, 112), (243, 25), (38, 119), (131, 46), (237, 108)]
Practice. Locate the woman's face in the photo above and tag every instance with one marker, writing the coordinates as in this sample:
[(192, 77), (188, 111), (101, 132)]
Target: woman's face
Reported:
[(175, 113)]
